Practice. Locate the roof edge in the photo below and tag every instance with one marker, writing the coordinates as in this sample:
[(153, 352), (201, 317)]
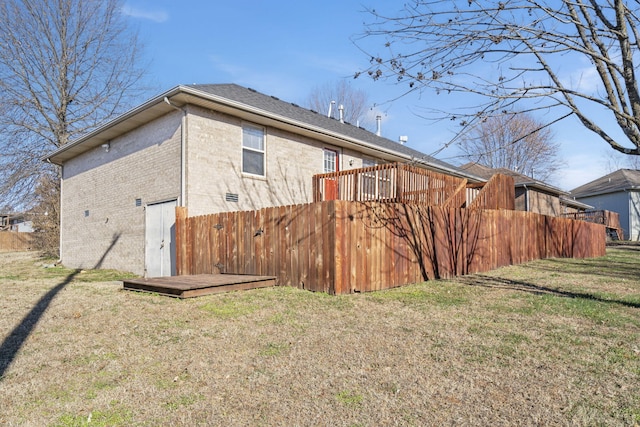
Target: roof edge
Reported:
[(111, 123), (56, 157)]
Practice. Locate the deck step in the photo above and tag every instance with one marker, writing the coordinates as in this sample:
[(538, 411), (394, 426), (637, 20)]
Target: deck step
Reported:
[(199, 284)]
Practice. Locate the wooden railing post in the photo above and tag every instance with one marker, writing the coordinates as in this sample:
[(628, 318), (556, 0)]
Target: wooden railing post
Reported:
[(399, 182)]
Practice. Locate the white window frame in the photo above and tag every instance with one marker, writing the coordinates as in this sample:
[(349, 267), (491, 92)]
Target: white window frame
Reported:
[(336, 160), (262, 151)]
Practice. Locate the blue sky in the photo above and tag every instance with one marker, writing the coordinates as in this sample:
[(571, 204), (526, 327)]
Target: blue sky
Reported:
[(286, 48)]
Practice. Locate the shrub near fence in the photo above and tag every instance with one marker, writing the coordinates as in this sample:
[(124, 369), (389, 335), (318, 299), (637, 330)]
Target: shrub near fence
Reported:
[(343, 247), (11, 241)]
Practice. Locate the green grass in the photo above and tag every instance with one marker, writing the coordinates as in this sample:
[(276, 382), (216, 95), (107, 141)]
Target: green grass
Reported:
[(437, 293), (46, 269), (274, 349), (99, 418), (183, 401), (559, 338), (349, 398), (229, 308)]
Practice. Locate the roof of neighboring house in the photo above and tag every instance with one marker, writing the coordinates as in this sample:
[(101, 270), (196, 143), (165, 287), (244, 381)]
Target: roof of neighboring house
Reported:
[(571, 202), (519, 179), (620, 180), (259, 108)]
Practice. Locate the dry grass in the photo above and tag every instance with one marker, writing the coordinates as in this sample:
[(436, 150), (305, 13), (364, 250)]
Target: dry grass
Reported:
[(553, 342)]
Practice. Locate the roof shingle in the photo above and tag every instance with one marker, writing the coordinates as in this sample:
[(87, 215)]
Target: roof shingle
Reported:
[(620, 180), (294, 112)]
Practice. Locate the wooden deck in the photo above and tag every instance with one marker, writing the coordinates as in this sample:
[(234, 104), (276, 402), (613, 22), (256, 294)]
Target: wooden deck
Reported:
[(199, 284)]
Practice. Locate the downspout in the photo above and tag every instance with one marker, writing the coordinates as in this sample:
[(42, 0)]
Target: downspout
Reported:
[(60, 228), (183, 152), (526, 198)]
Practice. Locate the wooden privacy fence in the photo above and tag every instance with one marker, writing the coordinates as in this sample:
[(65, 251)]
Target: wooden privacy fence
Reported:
[(498, 193), (11, 241), (342, 247)]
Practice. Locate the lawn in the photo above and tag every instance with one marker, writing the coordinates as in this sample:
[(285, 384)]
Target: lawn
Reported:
[(552, 342)]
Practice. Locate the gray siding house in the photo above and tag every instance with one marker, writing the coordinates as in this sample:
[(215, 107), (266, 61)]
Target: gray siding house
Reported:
[(532, 195), (210, 148), (619, 192)]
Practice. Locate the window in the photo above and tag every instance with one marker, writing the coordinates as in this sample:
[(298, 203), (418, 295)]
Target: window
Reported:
[(253, 150), (366, 163), (330, 161)]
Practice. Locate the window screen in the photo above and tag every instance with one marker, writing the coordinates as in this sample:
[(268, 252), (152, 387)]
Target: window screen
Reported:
[(330, 161), (253, 150)]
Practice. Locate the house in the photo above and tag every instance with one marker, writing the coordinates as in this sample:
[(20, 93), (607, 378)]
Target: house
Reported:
[(210, 148), (532, 195), (16, 222), (619, 192)]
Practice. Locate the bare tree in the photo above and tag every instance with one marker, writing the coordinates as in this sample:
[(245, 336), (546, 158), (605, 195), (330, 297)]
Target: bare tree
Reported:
[(46, 215), (65, 66), (508, 55), (354, 101), (612, 161), (514, 141)]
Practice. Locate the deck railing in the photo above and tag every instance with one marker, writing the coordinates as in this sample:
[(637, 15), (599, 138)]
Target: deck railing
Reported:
[(609, 219), (391, 183), (402, 183)]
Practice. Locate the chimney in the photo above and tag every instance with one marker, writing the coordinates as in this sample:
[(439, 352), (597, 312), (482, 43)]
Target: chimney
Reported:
[(403, 139), (378, 125), (341, 110)]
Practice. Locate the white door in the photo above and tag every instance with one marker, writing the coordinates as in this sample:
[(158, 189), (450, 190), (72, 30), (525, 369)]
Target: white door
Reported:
[(160, 251)]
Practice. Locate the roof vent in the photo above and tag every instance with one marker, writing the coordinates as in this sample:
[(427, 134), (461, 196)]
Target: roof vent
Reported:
[(331, 104)]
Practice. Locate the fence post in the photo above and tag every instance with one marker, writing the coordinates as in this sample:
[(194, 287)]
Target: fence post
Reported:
[(182, 240)]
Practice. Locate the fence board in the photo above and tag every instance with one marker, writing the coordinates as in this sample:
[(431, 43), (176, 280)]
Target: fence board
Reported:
[(12, 241)]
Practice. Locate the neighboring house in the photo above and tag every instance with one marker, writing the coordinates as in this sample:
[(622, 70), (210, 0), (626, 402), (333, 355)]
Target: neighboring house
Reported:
[(532, 195), (619, 192), (572, 206), (210, 148), (15, 222)]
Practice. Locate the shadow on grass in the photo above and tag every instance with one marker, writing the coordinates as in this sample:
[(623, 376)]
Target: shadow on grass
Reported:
[(517, 285), (13, 343), (602, 267)]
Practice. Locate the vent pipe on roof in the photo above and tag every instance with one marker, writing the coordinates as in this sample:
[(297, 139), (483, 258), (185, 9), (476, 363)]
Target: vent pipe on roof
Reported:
[(341, 110), (403, 139), (378, 125), (330, 108)]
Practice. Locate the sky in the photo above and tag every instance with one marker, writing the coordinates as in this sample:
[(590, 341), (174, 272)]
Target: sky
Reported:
[(286, 48)]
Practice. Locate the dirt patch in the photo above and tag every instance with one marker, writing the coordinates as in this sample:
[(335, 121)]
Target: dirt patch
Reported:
[(553, 342)]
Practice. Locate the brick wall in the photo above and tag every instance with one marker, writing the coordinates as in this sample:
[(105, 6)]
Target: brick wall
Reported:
[(100, 222), (215, 159)]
